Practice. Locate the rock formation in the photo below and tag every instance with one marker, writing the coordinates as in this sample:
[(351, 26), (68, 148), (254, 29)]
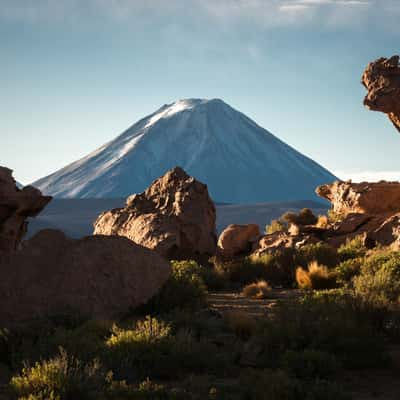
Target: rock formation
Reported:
[(97, 276), (175, 216), (16, 205), (382, 80), (364, 198), (237, 239)]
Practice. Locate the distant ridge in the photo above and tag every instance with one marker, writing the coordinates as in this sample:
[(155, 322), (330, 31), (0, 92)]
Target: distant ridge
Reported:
[(239, 161)]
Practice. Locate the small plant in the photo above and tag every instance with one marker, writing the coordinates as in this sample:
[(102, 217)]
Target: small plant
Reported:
[(348, 269), (334, 216), (322, 253), (257, 290), (60, 378), (378, 284), (185, 288), (353, 248), (276, 225), (316, 277)]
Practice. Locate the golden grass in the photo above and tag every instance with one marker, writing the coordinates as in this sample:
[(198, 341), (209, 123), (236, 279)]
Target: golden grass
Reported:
[(257, 290), (316, 277)]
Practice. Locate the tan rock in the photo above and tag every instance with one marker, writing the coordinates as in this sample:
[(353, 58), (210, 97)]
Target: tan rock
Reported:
[(362, 198), (281, 240), (175, 216), (237, 239), (382, 80), (16, 205), (97, 276), (388, 233)]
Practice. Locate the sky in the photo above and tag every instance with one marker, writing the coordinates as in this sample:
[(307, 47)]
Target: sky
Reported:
[(74, 74)]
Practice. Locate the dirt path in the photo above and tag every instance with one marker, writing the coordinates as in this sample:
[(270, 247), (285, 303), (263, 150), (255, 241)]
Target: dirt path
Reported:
[(233, 301)]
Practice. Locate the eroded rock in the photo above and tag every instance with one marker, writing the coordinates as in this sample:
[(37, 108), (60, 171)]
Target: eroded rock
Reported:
[(382, 81), (362, 198), (16, 205), (237, 239), (97, 276), (175, 216)]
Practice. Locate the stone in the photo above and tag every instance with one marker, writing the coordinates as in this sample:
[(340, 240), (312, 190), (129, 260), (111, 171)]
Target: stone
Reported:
[(175, 216), (96, 277), (237, 239), (351, 223), (362, 198), (16, 205), (381, 78)]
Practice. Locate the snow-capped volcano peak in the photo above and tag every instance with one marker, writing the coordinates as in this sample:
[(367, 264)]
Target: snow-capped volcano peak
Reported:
[(238, 160)]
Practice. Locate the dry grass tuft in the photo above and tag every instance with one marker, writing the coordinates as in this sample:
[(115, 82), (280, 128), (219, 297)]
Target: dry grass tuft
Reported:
[(257, 290), (241, 323), (316, 277)]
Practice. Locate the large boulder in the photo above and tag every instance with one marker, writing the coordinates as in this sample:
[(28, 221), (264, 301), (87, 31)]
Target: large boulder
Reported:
[(16, 205), (362, 198), (237, 239), (382, 81), (175, 216), (97, 276)]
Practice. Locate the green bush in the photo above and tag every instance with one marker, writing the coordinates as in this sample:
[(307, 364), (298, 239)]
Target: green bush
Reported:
[(150, 349), (347, 270), (322, 253), (60, 378), (329, 322), (185, 288), (352, 249), (379, 281), (277, 269)]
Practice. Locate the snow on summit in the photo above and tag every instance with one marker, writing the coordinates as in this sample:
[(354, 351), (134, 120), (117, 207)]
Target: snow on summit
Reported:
[(239, 161)]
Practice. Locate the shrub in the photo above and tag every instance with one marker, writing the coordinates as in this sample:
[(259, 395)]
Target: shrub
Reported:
[(379, 281), (276, 225), (241, 323), (309, 364), (305, 217), (352, 249), (257, 290), (60, 378), (330, 322), (150, 349), (346, 270), (185, 288), (317, 277), (322, 253), (334, 216)]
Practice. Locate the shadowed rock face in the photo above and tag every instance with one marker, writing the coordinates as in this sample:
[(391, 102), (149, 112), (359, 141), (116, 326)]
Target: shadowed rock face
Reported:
[(175, 216), (16, 205), (97, 277), (382, 80)]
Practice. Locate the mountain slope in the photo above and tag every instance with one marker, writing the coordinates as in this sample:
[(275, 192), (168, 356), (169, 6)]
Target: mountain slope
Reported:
[(238, 160)]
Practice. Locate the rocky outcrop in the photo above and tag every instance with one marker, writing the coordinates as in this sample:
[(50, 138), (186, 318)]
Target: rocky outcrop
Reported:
[(382, 81), (175, 216), (279, 241), (16, 205), (97, 276), (237, 239), (362, 198)]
